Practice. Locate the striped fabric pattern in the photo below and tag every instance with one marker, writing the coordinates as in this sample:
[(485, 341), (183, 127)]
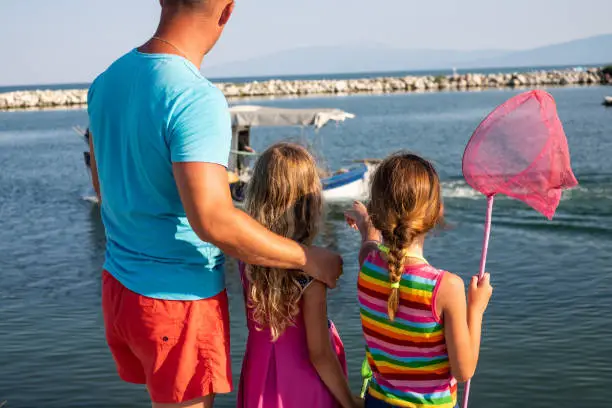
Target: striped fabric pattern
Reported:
[(408, 356)]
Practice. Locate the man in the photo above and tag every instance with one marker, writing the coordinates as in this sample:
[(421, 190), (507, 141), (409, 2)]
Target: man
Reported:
[(160, 141)]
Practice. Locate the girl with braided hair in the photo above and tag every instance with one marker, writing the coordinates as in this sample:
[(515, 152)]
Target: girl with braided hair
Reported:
[(421, 335)]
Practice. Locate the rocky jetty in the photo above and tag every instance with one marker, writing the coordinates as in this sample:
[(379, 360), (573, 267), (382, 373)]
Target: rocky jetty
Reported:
[(278, 88), (43, 99), (413, 83)]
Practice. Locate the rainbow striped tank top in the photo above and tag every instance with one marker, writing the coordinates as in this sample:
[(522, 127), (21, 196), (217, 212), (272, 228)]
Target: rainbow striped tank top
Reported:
[(408, 356)]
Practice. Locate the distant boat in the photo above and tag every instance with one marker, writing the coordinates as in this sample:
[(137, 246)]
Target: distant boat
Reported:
[(342, 185)]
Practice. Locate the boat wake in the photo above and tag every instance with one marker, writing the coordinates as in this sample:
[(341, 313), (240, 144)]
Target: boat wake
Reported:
[(459, 189), (588, 189), (90, 198)]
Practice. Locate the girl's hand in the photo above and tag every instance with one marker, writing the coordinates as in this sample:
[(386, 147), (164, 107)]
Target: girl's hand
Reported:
[(358, 402), (480, 293), (358, 219)]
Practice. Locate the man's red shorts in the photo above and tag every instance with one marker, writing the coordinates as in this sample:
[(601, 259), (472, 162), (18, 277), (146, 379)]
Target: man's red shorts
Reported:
[(179, 349)]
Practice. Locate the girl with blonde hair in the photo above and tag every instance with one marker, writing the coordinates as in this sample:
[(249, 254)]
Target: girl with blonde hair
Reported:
[(294, 356)]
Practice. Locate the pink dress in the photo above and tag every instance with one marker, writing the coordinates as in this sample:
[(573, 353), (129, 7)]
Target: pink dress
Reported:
[(279, 374)]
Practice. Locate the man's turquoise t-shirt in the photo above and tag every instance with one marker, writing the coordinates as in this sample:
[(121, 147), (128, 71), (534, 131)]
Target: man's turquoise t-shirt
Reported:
[(146, 112)]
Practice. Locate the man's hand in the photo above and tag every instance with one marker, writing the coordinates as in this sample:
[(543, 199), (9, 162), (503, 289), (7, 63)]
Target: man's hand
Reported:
[(323, 265)]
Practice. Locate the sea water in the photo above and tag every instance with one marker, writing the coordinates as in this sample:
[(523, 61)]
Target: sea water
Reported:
[(546, 340)]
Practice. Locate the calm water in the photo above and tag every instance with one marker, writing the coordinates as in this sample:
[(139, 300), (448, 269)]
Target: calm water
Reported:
[(547, 332)]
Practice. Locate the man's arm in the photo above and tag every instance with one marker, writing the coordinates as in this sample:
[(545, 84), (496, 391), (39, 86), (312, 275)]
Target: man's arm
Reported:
[(94, 168), (205, 194)]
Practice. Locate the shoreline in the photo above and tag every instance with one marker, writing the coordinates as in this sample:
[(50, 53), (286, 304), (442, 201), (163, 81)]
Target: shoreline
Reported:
[(75, 98)]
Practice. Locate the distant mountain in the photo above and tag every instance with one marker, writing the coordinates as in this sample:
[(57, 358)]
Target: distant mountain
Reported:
[(335, 59), (588, 51), (378, 58)]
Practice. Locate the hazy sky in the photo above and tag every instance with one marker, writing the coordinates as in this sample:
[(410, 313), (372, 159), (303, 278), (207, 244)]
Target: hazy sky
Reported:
[(66, 41)]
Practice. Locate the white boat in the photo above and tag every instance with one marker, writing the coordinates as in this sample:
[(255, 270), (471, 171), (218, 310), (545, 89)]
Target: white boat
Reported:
[(341, 185)]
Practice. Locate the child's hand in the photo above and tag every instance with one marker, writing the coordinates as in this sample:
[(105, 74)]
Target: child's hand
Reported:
[(359, 219), (356, 217), (479, 293)]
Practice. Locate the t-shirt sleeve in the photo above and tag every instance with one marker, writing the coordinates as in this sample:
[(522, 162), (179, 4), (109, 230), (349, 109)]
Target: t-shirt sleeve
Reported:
[(90, 96), (200, 128)]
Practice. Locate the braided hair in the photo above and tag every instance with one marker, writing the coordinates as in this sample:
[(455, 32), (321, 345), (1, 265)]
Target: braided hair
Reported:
[(405, 203)]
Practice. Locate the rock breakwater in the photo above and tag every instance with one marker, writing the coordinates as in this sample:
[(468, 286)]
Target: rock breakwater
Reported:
[(43, 99), (280, 88), (413, 83)]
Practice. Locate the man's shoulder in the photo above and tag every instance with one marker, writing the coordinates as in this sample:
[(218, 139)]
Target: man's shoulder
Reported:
[(196, 84), (91, 92), (172, 72), (201, 93), (98, 81), (94, 85)]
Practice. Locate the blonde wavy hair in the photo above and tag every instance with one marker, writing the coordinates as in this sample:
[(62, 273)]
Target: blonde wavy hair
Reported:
[(284, 195), (405, 203)]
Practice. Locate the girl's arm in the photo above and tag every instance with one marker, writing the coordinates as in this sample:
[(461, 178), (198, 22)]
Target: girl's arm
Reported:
[(367, 247), (358, 219), (462, 324), (322, 355)]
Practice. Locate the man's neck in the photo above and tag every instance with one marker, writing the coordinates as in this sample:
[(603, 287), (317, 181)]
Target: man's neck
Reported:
[(180, 37)]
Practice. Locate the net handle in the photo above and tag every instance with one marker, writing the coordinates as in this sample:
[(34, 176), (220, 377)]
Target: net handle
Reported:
[(483, 264), (487, 234)]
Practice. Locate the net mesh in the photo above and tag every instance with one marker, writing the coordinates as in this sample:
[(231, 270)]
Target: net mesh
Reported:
[(520, 150)]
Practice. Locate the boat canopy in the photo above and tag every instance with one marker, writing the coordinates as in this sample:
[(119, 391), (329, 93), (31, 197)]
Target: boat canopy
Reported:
[(245, 116)]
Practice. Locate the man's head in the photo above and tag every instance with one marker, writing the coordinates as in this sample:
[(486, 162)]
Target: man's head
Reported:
[(205, 19)]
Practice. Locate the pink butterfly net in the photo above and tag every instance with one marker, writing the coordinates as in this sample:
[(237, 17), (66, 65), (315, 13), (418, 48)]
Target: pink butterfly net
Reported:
[(519, 150)]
